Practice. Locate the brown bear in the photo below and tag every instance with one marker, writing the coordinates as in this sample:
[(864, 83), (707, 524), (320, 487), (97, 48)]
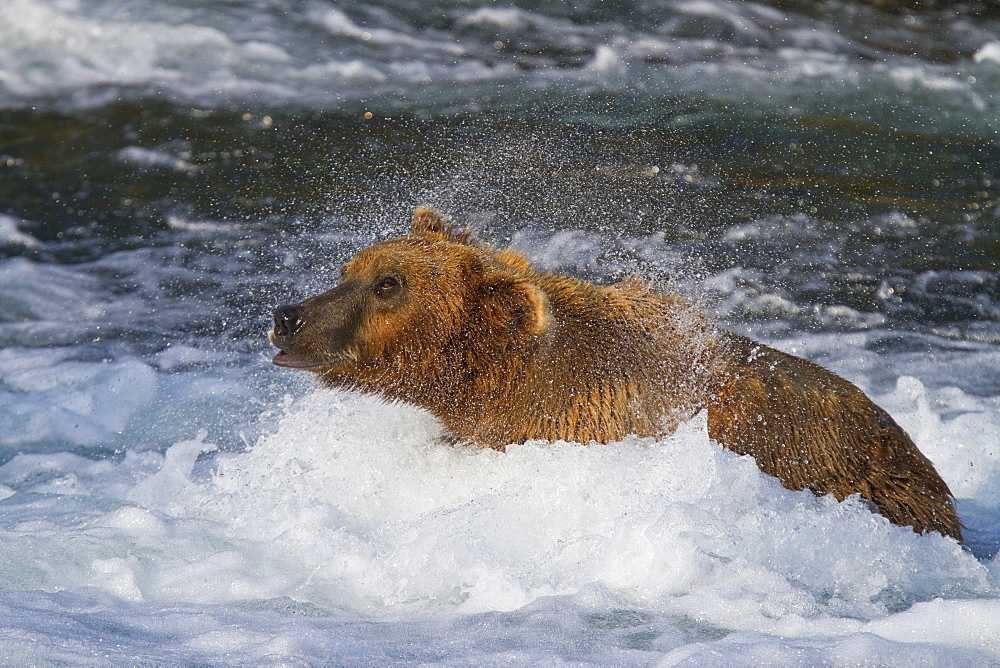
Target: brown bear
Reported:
[(502, 353)]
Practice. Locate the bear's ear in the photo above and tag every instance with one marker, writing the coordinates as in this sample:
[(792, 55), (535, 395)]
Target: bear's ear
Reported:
[(427, 220), (516, 305)]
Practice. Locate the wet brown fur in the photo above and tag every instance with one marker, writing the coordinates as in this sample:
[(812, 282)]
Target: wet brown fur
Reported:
[(502, 353)]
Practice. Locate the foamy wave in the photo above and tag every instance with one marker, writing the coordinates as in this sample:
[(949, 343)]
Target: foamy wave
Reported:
[(76, 54), (145, 157), (11, 234), (350, 502)]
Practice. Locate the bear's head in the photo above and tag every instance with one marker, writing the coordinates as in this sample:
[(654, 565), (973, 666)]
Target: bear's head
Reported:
[(410, 315)]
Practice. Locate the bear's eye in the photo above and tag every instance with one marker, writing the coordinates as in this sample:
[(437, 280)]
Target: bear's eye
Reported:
[(387, 286)]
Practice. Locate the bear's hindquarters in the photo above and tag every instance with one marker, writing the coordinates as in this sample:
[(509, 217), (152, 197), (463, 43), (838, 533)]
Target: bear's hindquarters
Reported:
[(812, 429)]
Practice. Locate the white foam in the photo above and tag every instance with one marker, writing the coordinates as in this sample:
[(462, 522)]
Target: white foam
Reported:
[(988, 52), (48, 402), (145, 157), (338, 23), (48, 303), (508, 18), (362, 502), (957, 444), (85, 54), (354, 505), (974, 624), (607, 62), (11, 234)]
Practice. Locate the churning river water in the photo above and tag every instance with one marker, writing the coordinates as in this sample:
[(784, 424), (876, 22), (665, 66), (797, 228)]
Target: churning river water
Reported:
[(824, 177)]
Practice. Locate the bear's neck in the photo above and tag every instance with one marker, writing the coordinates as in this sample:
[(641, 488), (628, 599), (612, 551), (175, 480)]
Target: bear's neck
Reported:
[(613, 361)]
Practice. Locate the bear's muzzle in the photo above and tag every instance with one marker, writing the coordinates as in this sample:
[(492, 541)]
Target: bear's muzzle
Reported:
[(319, 331)]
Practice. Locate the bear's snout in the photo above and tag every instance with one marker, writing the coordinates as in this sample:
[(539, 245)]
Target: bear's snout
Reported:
[(287, 321)]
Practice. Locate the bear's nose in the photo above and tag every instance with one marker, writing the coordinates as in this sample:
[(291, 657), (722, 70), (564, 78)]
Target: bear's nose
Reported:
[(287, 320)]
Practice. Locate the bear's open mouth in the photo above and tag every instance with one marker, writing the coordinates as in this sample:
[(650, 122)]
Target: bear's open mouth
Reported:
[(292, 362)]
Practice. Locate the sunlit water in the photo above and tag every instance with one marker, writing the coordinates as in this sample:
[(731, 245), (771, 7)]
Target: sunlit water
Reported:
[(169, 172)]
